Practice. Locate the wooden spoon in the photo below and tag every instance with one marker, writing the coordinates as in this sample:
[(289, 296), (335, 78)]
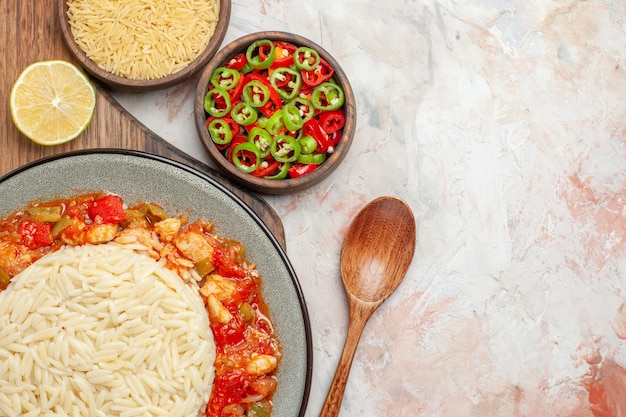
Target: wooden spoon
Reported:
[(377, 251)]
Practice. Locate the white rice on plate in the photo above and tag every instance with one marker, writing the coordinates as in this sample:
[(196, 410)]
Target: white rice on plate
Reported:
[(102, 330)]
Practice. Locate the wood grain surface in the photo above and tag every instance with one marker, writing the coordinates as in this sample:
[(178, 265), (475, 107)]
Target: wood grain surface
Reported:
[(31, 33)]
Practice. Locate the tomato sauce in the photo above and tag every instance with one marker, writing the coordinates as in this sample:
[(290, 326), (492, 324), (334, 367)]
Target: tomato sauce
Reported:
[(247, 350)]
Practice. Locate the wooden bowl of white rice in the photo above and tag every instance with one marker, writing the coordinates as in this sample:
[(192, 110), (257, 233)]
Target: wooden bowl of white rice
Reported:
[(143, 45)]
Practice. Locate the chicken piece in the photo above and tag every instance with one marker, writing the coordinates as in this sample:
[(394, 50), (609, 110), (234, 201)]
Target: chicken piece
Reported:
[(101, 233), (168, 228), (193, 245), (139, 235), (219, 287), (13, 259), (261, 364), (217, 310)]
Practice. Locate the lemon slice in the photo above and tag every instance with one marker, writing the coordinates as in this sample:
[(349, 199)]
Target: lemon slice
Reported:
[(52, 102)]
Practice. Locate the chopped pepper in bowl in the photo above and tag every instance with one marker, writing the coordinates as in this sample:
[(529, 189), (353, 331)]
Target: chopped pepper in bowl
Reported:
[(275, 112)]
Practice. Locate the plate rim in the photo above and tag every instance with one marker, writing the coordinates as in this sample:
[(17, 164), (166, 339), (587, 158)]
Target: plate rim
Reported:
[(266, 230)]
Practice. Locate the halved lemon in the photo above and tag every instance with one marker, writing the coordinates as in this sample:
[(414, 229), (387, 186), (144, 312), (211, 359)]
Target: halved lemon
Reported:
[(52, 102)]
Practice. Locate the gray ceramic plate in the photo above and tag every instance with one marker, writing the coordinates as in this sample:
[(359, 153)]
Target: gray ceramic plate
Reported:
[(138, 176)]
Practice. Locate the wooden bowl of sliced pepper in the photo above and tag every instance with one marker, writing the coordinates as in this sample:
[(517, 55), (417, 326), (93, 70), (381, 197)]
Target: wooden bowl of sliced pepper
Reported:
[(275, 112)]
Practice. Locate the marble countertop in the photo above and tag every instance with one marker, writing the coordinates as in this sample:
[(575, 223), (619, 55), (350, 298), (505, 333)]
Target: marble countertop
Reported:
[(502, 123)]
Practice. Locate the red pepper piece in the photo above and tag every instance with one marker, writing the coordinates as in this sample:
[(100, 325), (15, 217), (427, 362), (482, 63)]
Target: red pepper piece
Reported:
[(231, 333), (335, 137), (237, 62), (314, 129), (226, 264), (108, 210), (323, 72), (272, 166), (35, 234), (284, 54), (298, 170), (333, 120), (235, 92)]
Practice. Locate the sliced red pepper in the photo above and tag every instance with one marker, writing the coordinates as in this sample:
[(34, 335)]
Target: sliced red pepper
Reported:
[(272, 166), (108, 210), (284, 54), (35, 234), (237, 62), (226, 264), (323, 72), (332, 121), (231, 333), (313, 128), (274, 104), (298, 170), (335, 137), (235, 92)]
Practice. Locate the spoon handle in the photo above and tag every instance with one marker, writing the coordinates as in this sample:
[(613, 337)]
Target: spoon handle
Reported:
[(359, 315)]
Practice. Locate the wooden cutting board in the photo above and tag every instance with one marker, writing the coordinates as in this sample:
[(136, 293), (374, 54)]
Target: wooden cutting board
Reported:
[(30, 32)]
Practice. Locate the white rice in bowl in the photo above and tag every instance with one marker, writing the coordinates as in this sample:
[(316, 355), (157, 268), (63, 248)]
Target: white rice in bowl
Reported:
[(101, 330)]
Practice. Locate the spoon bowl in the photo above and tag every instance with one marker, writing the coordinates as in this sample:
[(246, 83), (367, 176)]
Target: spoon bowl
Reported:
[(376, 254)]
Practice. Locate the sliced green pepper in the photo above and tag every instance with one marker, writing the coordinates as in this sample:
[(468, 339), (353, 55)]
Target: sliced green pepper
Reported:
[(220, 131), (260, 54), (307, 111), (285, 148), (246, 157), (282, 172), (63, 223), (262, 139), (306, 58), (327, 96), (217, 102), (276, 123), (244, 114), (5, 279), (308, 144), (262, 121), (255, 93), (45, 214), (259, 409), (292, 117), (153, 212), (226, 78), (205, 266), (286, 81), (247, 312), (315, 158)]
